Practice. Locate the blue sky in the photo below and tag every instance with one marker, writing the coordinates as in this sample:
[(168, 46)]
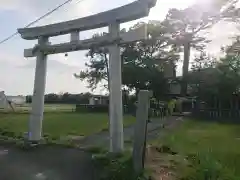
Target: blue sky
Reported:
[(17, 72)]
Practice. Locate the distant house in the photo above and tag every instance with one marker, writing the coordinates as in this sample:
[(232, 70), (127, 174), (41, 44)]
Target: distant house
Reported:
[(98, 100), (4, 104), (17, 100)]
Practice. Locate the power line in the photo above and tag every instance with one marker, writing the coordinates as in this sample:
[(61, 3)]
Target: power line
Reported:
[(48, 13), (9, 37), (38, 19), (35, 21), (79, 1)]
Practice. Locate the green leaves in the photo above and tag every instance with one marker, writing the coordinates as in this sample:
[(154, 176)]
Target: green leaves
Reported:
[(97, 68), (141, 61), (215, 78)]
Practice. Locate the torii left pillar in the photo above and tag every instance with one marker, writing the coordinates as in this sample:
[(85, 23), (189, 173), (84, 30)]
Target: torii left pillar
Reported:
[(115, 84), (36, 117)]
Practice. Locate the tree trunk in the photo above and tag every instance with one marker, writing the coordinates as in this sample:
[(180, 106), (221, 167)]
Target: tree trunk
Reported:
[(184, 83)]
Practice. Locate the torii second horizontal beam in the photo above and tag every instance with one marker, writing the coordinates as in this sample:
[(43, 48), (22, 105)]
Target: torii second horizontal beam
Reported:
[(126, 37)]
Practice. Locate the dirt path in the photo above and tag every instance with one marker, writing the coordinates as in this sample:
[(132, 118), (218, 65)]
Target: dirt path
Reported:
[(102, 138)]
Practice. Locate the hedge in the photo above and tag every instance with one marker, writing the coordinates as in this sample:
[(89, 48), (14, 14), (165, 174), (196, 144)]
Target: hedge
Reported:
[(86, 108)]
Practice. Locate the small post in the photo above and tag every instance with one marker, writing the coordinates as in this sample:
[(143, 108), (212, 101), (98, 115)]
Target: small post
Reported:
[(237, 105), (140, 131), (115, 81), (231, 108), (75, 36), (36, 117), (220, 109)]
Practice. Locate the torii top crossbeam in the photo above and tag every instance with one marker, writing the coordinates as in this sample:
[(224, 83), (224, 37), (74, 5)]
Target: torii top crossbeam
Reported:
[(129, 12)]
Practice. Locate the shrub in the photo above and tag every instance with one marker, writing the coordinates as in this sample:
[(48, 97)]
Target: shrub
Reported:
[(86, 108), (115, 167), (205, 167)]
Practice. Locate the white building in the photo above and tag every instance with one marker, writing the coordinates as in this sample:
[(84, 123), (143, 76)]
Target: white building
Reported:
[(17, 100), (5, 101), (98, 100)]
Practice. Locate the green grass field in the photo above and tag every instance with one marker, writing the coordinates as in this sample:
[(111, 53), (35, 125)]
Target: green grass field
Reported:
[(60, 123), (47, 108), (213, 148)]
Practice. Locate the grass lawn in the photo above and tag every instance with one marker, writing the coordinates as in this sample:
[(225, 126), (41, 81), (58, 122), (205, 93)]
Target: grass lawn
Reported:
[(47, 108), (60, 123), (213, 148)]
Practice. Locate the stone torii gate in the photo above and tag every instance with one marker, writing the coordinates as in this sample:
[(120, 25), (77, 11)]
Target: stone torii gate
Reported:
[(112, 40)]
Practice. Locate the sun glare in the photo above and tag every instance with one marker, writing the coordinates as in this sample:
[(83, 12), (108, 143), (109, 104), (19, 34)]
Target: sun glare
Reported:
[(162, 7)]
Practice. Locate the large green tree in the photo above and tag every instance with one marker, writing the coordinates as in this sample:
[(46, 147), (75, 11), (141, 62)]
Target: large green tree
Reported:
[(97, 69), (142, 62), (215, 78)]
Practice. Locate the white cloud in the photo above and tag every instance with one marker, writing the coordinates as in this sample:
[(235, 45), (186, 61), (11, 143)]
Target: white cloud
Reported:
[(9, 4), (7, 57), (32, 9), (162, 6), (18, 79)]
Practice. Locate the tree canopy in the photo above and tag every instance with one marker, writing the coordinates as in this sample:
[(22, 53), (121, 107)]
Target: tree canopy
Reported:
[(150, 64), (142, 62), (215, 78)]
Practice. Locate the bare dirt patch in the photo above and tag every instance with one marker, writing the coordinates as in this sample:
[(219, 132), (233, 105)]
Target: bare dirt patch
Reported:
[(163, 165)]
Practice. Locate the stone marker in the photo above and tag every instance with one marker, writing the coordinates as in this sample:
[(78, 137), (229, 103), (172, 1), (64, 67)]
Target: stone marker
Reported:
[(140, 131)]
